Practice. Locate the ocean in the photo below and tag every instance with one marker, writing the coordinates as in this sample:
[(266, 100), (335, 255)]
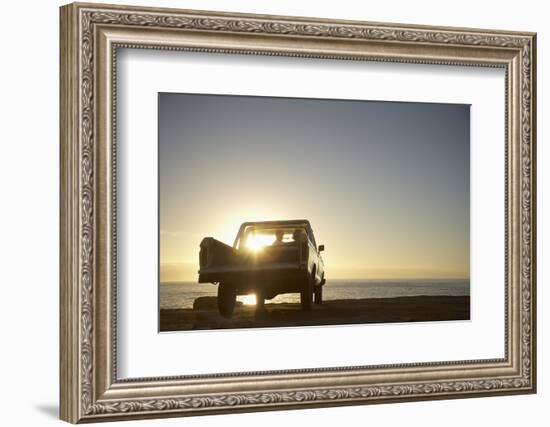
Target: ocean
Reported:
[(182, 294)]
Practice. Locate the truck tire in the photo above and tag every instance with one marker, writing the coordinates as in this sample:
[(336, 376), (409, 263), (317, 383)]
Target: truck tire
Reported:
[(318, 295), (227, 298), (307, 292)]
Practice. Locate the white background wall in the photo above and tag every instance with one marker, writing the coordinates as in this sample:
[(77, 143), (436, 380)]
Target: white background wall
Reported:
[(29, 171)]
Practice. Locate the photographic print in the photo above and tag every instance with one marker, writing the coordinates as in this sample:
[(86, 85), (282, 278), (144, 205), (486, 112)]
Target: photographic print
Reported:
[(279, 212), (255, 190)]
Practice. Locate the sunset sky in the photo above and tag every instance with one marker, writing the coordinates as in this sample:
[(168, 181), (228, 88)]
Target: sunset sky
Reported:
[(385, 185)]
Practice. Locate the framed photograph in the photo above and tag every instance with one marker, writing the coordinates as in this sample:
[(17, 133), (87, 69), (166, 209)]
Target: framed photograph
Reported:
[(266, 212)]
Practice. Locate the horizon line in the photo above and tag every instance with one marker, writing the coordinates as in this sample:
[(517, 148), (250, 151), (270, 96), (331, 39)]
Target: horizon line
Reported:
[(354, 278)]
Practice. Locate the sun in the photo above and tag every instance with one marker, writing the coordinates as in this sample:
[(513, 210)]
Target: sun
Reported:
[(249, 299), (256, 242)]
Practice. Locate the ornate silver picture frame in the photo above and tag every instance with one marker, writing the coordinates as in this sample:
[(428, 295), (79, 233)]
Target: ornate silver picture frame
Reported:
[(91, 390)]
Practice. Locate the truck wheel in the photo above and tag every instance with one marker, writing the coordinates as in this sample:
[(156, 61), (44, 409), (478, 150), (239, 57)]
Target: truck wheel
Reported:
[(307, 293), (318, 295), (227, 297)]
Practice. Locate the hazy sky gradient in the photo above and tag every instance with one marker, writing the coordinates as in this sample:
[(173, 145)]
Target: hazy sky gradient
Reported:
[(384, 184)]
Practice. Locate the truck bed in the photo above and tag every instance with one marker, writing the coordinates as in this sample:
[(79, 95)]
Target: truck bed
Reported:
[(219, 261)]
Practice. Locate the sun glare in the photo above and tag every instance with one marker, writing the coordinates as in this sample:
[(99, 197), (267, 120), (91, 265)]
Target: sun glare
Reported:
[(256, 242), (248, 299)]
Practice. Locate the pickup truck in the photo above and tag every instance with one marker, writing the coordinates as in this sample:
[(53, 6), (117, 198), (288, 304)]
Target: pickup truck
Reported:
[(267, 258)]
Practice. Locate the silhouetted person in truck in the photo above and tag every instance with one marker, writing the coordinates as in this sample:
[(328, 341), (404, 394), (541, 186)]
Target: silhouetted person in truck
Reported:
[(279, 234), (298, 235)]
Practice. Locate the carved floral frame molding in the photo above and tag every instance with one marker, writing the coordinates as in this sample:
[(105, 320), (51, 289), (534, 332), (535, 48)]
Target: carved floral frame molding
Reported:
[(90, 37)]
